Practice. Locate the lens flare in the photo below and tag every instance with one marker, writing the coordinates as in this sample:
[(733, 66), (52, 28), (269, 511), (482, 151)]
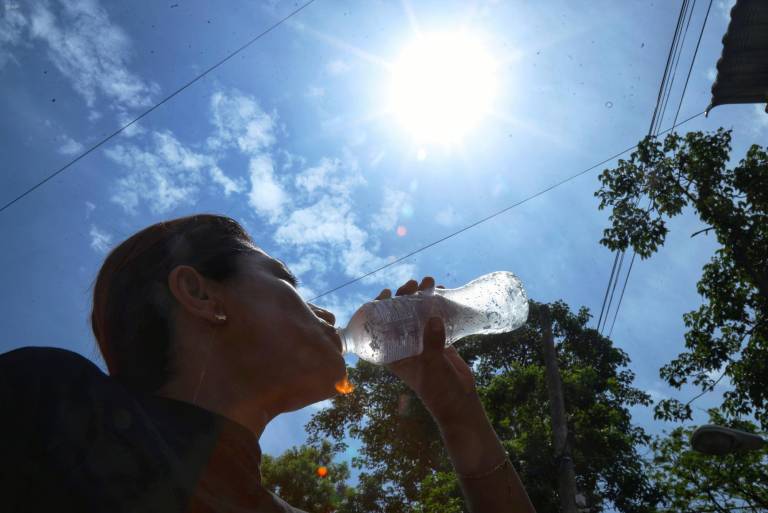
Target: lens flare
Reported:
[(322, 471), (402, 231), (344, 386)]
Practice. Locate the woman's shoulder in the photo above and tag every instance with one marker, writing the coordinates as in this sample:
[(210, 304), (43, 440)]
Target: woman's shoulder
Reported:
[(39, 373), (32, 368), (59, 360), (43, 354)]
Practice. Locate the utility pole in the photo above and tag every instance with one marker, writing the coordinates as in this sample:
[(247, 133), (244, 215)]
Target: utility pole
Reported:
[(566, 476)]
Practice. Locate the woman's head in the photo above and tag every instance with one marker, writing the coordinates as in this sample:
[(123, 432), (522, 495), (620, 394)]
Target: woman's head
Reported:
[(132, 305), (162, 293)]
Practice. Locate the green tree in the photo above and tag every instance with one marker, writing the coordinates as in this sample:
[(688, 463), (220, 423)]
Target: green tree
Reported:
[(401, 448), (439, 491), (728, 334), (693, 482), (293, 476)]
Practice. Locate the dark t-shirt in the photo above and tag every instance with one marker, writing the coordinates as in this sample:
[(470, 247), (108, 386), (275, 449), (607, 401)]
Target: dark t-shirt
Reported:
[(73, 439)]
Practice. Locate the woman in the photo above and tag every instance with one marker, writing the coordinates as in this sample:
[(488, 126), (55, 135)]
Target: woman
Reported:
[(206, 340)]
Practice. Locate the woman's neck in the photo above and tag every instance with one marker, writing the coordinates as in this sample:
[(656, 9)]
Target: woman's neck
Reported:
[(209, 392)]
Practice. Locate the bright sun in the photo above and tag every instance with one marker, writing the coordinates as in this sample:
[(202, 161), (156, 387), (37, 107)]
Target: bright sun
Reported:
[(442, 86)]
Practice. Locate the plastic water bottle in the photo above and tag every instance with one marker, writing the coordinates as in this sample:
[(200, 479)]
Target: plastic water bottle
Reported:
[(387, 330)]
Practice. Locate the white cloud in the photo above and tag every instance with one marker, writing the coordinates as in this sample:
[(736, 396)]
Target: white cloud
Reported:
[(309, 262), (320, 228), (228, 184), (12, 26), (266, 196), (289, 160), (330, 223), (315, 177), (358, 261), (169, 174), (177, 155), (123, 118), (336, 176), (711, 74), (100, 240), (338, 67), (91, 52), (394, 203), (326, 227), (69, 146), (89, 208), (165, 177), (241, 122)]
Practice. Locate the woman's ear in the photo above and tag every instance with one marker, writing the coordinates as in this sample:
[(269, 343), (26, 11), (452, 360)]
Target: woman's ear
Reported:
[(192, 292)]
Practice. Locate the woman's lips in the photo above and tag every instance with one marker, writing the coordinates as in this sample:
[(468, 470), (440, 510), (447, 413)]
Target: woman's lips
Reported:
[(336, 338)]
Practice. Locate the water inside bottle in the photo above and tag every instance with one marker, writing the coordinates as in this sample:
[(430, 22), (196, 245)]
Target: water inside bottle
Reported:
[(388, 330)]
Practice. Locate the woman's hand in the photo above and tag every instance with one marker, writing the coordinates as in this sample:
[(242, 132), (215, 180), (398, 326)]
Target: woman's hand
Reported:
[(439, 376)]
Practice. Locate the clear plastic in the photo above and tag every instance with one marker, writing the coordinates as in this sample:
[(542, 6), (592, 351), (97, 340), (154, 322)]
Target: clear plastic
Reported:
[(384, 331)]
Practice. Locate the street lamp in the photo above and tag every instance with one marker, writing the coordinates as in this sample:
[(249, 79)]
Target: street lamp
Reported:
[(720, 440)]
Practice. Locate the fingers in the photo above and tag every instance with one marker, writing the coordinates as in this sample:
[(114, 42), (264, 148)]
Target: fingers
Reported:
[(323, 314), (427, 283), (409, 288), (434, 335), (412, 286)]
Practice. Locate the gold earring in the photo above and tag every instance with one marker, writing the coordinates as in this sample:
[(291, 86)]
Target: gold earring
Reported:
[(220, 317)]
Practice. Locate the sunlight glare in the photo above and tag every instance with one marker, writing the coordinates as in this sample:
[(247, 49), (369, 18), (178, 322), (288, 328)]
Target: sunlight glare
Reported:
[(442, 86)]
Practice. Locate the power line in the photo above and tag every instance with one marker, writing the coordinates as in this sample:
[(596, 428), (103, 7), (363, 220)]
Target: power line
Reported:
[(535, 195), (610, 280), (656, 120), (693, 60), (673, 61), (676, 61), (667, 67), (677, 112), (623, 289), (155, 106), (613, 290)]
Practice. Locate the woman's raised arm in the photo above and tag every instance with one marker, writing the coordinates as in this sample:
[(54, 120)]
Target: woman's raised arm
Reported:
[(444, 383)]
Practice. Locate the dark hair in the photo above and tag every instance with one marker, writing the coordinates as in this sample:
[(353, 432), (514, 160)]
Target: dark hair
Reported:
[(132, 304)]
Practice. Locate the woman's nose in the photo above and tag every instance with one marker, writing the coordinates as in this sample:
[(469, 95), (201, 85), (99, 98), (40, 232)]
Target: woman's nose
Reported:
[(323, 314)]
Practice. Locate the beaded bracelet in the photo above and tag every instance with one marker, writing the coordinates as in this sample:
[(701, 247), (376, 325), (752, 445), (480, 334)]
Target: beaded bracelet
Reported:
[(489, 472)]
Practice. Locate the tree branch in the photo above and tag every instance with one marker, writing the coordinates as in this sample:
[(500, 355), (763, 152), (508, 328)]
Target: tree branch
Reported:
[(694, 234), (714, 501)]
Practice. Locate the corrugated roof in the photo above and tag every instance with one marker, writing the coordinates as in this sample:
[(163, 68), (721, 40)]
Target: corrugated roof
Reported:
[(742, 70)]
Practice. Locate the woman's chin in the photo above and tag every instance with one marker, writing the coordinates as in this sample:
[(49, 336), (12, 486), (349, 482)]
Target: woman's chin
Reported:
[(326, 387)]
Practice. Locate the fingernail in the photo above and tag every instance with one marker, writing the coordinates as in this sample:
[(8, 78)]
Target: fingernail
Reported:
[(435, 324)]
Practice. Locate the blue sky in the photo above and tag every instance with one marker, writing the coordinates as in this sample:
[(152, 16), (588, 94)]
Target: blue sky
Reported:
[(292, 138)]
